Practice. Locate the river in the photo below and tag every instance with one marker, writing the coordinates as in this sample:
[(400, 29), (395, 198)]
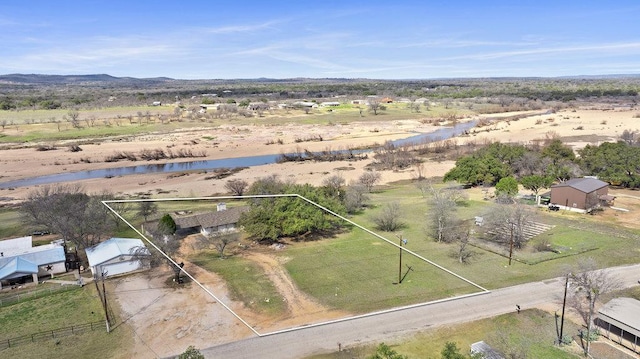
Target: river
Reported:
[(250, 161)]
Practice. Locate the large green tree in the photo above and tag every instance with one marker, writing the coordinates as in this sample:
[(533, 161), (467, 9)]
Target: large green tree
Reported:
[(507, 186), (274, 217), (477, 170), (535, 183), (617, 163), (556, 150)]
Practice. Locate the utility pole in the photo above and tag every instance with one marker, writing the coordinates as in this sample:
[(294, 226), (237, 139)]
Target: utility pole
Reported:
[(564, 304), (402, 241), (103, 297), (510, 242)]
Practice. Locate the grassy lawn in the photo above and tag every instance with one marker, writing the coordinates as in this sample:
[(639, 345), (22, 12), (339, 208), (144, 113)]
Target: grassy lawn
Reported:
[(12, 225), (246, 280), (336, 271), (39, 125), (532, 330), (59, 310)]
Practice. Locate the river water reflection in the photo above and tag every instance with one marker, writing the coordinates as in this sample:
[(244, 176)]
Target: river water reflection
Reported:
[(168, 167)]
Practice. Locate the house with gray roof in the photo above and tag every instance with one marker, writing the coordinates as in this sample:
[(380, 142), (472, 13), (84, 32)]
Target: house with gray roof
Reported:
[(117, 256), (581, 194), (20, 262), (221, 221), (620, 318)]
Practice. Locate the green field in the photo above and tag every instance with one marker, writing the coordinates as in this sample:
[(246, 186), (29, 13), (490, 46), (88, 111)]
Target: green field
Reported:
[(338, 270), (59, 310), (357, 272), (40, 125)]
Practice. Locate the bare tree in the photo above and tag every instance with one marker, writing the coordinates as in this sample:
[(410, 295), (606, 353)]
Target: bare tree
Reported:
[(507, 224), (355, 197), (73, 117), (236, 186), (67, 210), (389, 218), (221, 240), (462, 234), (334, 184), (418, 170), (375, 105), (589, 283), (443, 204), (369, 179), (147, 209), (630, 137)]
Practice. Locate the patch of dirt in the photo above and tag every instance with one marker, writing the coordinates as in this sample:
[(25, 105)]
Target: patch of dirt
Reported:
[(302, 309), (167, 320)]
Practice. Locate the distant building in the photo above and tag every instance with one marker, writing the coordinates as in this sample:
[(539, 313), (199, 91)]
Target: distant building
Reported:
[(581, 194), (304, 104), (330, 104), (117, 256)]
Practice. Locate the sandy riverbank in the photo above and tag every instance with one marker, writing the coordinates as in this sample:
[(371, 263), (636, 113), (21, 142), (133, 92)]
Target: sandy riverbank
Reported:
[(576, 127)]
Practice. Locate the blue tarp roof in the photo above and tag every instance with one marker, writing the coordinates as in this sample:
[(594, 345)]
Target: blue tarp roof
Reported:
[(52, 254), (17, 267)]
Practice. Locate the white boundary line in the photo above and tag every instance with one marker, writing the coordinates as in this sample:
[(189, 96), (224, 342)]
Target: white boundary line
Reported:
[(483, 290)]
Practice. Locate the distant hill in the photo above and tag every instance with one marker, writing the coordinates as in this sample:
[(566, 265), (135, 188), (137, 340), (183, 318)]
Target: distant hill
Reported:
[(38, 79)]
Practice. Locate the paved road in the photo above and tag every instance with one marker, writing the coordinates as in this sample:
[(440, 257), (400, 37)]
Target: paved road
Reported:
[(377, 328)]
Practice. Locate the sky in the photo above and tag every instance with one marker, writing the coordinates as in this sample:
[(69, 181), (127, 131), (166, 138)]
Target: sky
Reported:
[(391, 39)]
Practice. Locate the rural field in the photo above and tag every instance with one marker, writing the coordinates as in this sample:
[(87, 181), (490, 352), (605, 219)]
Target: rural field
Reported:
[(293, 281)]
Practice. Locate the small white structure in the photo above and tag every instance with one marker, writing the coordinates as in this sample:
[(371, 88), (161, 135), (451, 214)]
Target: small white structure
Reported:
[(330, 104), (305, 104), (117, 256)]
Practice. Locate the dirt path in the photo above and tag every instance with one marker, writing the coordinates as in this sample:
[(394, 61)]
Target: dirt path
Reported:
[(302, 309), (166, 320)]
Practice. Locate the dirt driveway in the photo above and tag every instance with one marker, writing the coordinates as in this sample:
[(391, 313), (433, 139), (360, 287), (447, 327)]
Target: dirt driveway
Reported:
[(167, 320)]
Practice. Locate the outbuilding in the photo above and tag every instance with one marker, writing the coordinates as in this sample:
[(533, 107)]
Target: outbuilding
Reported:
[(117, 256), (581, 194), (620, 318)]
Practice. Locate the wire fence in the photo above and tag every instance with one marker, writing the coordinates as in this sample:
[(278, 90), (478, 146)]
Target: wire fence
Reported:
[(52, 334), (34, 294)]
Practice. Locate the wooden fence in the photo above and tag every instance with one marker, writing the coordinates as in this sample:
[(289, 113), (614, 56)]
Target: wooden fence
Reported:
[(52, 334), (6, 300)]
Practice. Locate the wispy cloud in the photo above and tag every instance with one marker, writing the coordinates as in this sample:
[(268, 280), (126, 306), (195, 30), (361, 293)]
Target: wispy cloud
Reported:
[(597, 49), (230, 29)]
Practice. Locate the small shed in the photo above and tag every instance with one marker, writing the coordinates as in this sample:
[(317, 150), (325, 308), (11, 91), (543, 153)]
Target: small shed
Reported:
[(117, 256), (485, 350), (581, 194)]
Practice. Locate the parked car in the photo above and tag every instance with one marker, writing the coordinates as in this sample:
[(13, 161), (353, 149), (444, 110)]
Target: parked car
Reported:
[(554, 207)]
